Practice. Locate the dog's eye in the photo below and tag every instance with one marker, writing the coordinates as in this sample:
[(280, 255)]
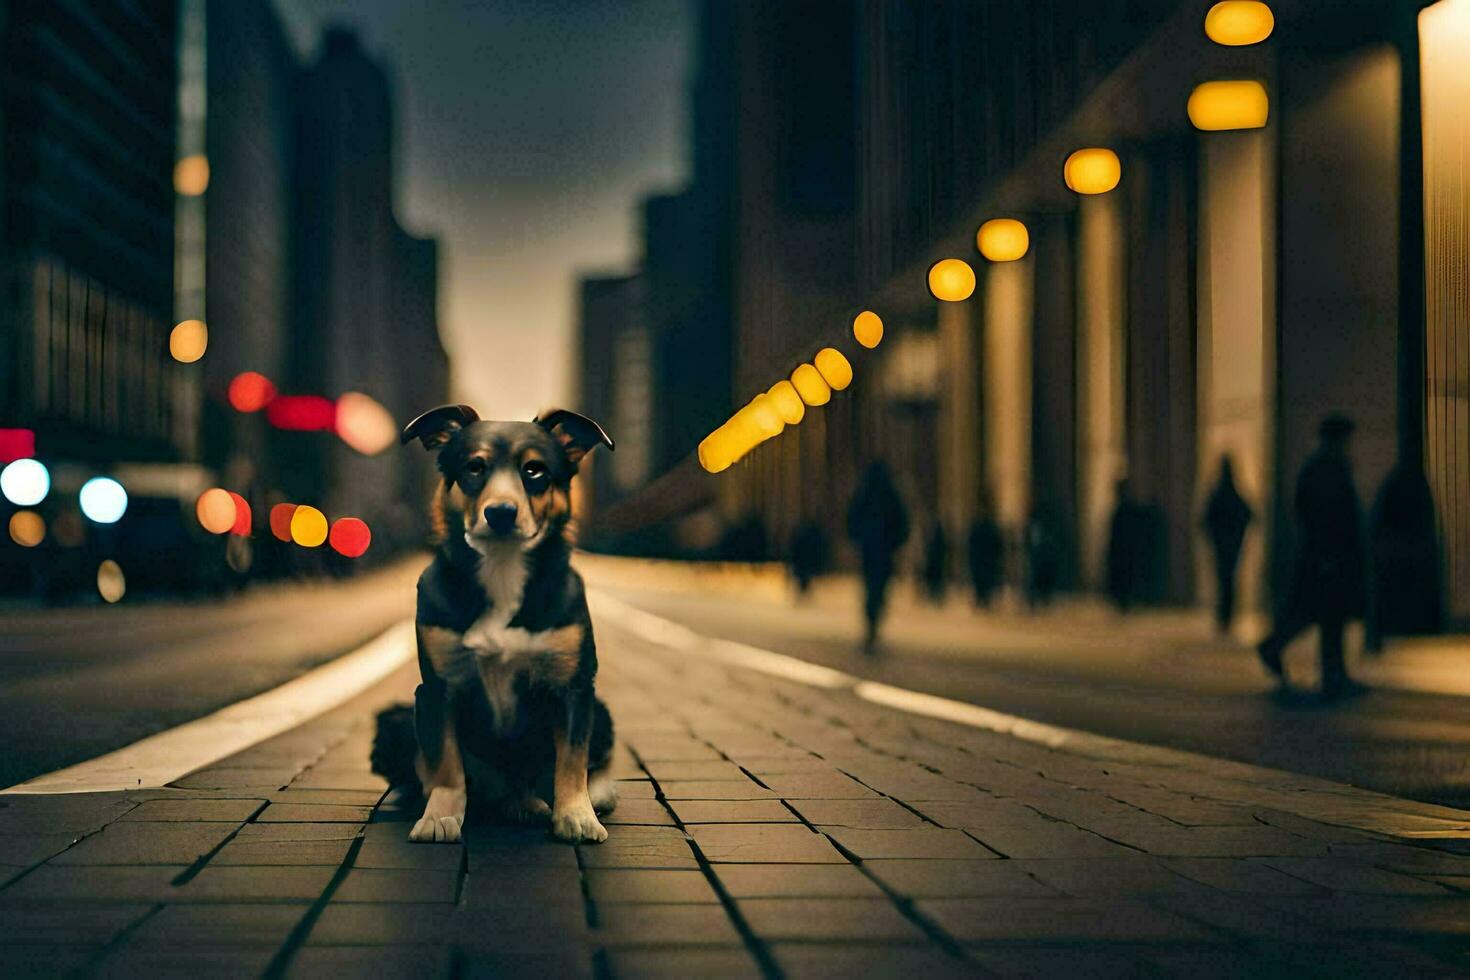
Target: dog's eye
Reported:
[(476, 466), (534, 470)]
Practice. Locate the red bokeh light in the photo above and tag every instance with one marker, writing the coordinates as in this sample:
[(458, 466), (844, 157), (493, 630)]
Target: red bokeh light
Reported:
[(281, 515), (250, 392), (302, 413), (16, 444), (350, 537), (242, 515)]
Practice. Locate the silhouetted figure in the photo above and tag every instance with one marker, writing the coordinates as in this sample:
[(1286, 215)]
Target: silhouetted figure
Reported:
[(1404, 576), (1329, 583), (808, 555), (1043, 558), (1126, 543), (936, 564), (878, 524), (1227, 515), (987, 549)]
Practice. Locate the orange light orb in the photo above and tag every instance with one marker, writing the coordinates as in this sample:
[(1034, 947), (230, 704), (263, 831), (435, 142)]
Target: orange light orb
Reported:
[(1002, 240), (951, 280), (27, 528), (833, 367), (364, 424), (280, 517), (350, 537), (308, 527), (1095, 170), (111, 585), (215, 509), (807, 381), (188, 341), (1235, 23), (191, 175), (867, 329), (242, 515), (783, 395), (250, 392), (1226, 105)]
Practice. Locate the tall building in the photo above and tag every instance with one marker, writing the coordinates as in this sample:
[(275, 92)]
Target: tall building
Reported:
[(87, 101)]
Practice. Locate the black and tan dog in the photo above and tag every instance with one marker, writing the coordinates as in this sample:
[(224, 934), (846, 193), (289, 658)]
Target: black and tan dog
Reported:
[(504, 637)]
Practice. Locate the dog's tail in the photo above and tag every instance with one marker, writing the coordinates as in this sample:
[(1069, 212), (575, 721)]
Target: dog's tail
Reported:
[(395, 748)]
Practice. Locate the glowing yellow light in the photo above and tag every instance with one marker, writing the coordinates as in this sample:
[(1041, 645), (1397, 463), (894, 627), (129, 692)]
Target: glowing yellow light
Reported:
[(215, 509), (188, 340), (191, 175), (807, 381), (1216, 106), (1002, 240), (867, 328), (308, 526), (110, 582), (364, 424), (833, 367), (951, 280), (1095, 170), (717, 451), (1239, 22), (27, 528), (787, 402)]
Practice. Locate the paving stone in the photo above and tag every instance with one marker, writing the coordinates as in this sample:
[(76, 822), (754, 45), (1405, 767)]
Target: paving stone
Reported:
[(507, 885), (314, 813), (371, 962), (386, 924), (131, 960), (297, 883), (24, 850), (238, 778), (876, 814), (821, 962), (770, 765), (634, 789), (1055, 840), (63, 814), (195, 811), (1252, 920), (665, 925), (297, 832), (764, 844), (332, 797), (816, 786), (393, 885), (42, 961), (732, 811), (1083, 963), (921, 842), (614, 885), (1400, 915), (545, 855), (1255, 841), (701, 770), (796, 881), (146, 843), (408, 856), (1241, 876), (676, 962), (1339, 875), (644, 812), (89, 883), (1404, 858), (211, 924), (561, 960), (1088, 877), (957, 879), (95, 923), (670, 854), (976, 920), (281, 853), (981, 814), (675, 749), (362, 779), (714, 790), (829, 920)]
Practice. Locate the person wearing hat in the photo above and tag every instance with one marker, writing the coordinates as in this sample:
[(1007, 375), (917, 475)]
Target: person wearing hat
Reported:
[(1329, 585)]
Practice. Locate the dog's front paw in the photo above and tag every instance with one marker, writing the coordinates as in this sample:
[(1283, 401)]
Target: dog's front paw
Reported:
[(578, 824), (437, 830)]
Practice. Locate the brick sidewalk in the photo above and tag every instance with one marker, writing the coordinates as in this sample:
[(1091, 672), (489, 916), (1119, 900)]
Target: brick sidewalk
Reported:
[(766, 828)]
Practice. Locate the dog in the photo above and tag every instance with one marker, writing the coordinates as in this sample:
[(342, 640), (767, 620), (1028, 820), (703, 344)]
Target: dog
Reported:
[(506, 709)]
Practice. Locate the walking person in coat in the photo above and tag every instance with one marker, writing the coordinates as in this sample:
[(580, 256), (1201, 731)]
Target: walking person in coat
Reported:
[(878, 525), (1227, 516)]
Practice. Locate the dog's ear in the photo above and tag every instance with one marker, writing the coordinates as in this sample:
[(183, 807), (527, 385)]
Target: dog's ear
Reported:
[(434, 427), (577, 434)]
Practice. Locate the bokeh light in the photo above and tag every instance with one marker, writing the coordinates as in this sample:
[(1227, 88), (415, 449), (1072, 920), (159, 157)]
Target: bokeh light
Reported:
[(215, 509), (188, 340), (1001, 240), (762, 416), (1094, 170), (867, 329), (308, 526), (111, 585), (951, 280), (302, 413), (281, 515), (1227, 105), (809, 385), (191, 175), (787, 401), (242, 514), (718, 450), (250, 392), (103, 500), (27, 528), (833, 367), (25, 482), (350, 537), (1234, 23), (364, 424)]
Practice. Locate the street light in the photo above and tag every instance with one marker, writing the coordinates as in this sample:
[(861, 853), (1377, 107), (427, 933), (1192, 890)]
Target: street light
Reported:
[(215, 509), (1001, 240), (809, 385), (1094, 170), (867, 329), (787, 401), (833, 367), (308, 526), (188, 340), (1236, 23), (951, 280), (25, 482), (1226, 105), (103, 500)]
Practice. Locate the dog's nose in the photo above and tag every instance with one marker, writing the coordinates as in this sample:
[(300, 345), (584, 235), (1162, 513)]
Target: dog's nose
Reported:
[(500, 518)]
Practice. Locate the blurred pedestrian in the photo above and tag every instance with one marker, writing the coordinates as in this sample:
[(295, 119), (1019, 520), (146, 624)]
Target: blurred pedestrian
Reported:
[(987, 550), (1126, 534), (878, 524), (1226, 517), (1328, 587), (808, 555), (936, 564), (1043, 556)]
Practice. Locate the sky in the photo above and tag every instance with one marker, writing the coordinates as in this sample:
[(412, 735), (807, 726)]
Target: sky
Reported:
[(527, 132)]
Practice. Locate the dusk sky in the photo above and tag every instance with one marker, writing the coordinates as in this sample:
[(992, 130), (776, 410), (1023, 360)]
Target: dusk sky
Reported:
[(528, 130)]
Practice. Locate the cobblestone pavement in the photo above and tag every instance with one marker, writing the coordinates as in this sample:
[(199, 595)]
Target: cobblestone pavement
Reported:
[(766, 828)]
